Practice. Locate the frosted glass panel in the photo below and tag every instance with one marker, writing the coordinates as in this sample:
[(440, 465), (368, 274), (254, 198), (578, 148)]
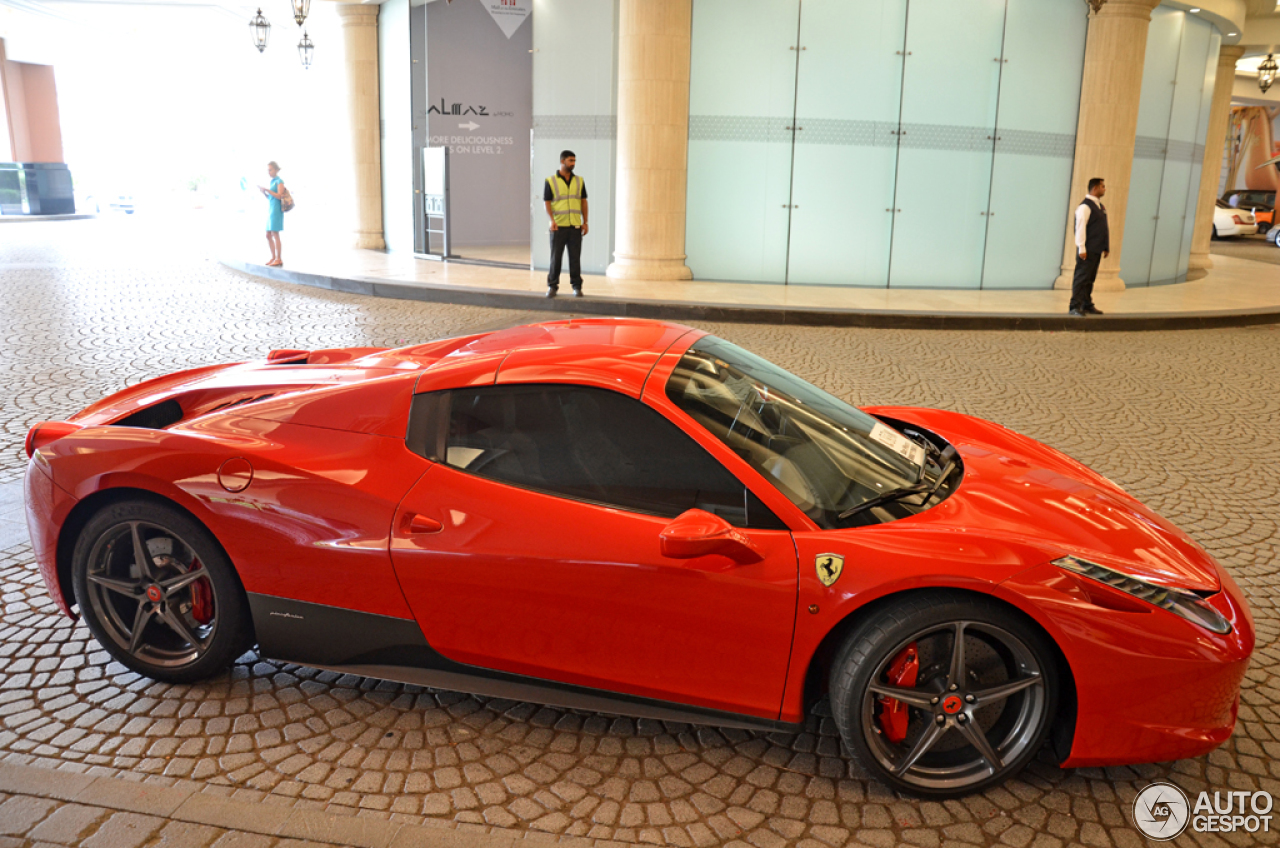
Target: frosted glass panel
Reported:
[(1140, 221), (741, 107), (1160, 67), (1159, 73), (1193, 192), (1180, 152), (846, 149), (1035, 143), (949, 102), (1169, 226), (568, 36)]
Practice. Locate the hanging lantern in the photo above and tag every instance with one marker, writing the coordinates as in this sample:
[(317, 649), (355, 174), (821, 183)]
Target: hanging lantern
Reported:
[(305, 49), (301, 8), (260, 29), (1267, 72)]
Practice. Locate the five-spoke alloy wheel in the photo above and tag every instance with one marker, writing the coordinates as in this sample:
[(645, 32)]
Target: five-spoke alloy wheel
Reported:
[(158, 593), (944, 695)]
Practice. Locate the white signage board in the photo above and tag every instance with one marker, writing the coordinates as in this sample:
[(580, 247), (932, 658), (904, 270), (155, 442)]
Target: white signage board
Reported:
[(508, 14)]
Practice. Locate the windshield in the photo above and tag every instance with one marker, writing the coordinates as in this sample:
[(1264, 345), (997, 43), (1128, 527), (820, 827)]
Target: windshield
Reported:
[(826, 456)]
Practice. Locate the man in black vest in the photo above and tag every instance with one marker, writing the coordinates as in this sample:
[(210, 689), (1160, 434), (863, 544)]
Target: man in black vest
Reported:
[(1093, 241)]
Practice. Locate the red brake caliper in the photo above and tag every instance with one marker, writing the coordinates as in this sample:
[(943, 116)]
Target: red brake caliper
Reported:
[(201, 597), (893, 713)]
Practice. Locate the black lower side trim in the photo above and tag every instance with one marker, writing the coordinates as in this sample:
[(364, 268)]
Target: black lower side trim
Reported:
[(395, 649)]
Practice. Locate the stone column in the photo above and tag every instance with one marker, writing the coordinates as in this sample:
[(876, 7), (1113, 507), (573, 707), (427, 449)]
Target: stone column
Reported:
[(1108, 125), (653, 139), (1219, 113), (360, 36)]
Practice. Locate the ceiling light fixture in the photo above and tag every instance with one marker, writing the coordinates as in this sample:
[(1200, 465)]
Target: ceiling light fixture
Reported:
[(1194, 11), (260, 29), (305, 49), (1267, 72), (301, 8)]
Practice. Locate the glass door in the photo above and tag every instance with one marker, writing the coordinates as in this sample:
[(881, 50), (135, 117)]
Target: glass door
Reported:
[(1184, 127), (1145, 180), (946, 143), (848, 96), (1197, 165), (741, 113), (1035, 144)]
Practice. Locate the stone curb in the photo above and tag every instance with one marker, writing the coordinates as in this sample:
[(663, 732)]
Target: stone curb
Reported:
[(740, 314), (187, 804), (36, 219)]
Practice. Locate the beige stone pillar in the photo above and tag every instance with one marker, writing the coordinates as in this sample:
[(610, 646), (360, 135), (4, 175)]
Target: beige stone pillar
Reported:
[(1216, 137), (1108, 125), (653, 139), (360, 36)]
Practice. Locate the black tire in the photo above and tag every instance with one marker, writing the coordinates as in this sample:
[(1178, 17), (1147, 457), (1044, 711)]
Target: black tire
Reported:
[(947, 725), (132, 571), (1215, 233), (1275, 236)]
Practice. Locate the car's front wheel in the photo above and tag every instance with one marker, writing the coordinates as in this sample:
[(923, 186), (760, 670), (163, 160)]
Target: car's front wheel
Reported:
[(944, 694), (159, 593)]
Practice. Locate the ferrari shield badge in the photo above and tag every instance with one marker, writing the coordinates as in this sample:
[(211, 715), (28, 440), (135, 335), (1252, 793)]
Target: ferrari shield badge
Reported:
[(829, 567)]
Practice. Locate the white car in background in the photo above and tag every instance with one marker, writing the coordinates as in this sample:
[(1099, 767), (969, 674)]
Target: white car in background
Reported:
[(1228, 221)]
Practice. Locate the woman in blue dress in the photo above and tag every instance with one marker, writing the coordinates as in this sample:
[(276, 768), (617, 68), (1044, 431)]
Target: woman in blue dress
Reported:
[(275, 214)]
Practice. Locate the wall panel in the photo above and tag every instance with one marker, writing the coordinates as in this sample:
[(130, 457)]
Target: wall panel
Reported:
[(575, 107)]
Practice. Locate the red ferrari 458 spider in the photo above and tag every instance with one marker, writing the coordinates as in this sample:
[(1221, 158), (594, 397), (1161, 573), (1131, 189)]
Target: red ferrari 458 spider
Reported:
[(637, 517)]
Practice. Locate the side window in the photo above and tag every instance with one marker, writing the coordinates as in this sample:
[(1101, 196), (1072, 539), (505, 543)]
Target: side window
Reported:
[(582, 443)]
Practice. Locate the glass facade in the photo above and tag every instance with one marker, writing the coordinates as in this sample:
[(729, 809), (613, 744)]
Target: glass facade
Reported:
[(872, 143), (849, 142), (575, 108), (1177, 87)]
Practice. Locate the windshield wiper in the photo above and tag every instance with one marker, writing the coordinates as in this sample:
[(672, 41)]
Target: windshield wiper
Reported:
[(926, 489)]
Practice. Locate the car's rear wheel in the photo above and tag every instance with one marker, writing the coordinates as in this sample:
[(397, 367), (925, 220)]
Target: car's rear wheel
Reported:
[(944, 695), (158, 592), (1275, 236)]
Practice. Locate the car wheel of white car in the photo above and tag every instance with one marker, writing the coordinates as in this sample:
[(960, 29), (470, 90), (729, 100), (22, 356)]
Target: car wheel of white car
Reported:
[(1275, 236)]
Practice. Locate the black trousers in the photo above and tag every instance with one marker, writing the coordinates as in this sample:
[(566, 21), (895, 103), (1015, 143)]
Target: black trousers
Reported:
[(570, 237), (1082, 283)]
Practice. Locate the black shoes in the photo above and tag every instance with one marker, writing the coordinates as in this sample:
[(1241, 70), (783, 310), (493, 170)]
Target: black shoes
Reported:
[(1079, 313), (1092, 310), (577, 292), (551, 291)]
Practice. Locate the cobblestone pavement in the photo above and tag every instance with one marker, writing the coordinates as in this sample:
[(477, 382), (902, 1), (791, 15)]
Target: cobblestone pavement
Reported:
[(1187, 421)]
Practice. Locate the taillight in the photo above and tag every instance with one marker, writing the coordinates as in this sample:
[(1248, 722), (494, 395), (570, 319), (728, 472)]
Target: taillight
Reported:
[(47, 432), (1236, 218)]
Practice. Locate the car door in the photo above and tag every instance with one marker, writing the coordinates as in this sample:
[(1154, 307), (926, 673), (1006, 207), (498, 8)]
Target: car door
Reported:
[(533, 547)]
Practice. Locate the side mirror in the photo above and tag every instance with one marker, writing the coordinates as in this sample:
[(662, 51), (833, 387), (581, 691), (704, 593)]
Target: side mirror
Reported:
[(697, 533)]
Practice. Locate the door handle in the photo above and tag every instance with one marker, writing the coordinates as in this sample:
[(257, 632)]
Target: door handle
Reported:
[(420, 524)]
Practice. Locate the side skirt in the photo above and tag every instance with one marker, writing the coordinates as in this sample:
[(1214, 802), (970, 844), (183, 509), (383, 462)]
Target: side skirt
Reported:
[(395, 649)]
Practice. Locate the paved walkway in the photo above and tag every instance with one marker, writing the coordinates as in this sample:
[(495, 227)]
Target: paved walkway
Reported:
[(44, 807), (1188, 421), (1237, 291)]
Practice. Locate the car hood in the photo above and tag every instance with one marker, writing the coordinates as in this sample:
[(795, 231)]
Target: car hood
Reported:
[(1021, 490)]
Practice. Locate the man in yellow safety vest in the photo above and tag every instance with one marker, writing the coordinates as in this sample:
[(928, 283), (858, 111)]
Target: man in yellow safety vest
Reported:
[(565, 197)]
